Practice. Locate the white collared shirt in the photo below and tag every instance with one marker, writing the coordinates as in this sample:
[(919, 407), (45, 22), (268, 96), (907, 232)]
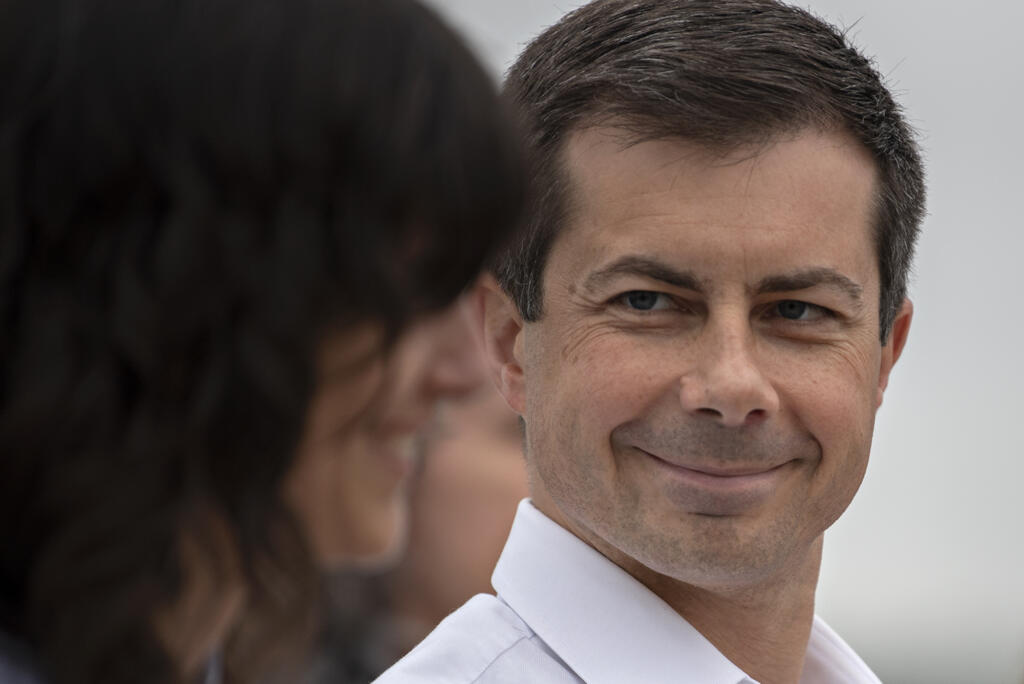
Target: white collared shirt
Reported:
[(565, 613)]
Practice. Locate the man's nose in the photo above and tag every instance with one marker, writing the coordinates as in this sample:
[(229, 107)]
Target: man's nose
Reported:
[(726, 383)]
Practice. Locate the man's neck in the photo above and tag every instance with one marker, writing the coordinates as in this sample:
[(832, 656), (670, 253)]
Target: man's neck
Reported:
[(762, 627)]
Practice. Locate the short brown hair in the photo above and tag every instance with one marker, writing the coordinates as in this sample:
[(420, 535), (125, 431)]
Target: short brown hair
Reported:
[(721, 73)]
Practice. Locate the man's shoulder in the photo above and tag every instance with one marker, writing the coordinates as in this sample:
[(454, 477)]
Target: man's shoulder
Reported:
[(484, 641)]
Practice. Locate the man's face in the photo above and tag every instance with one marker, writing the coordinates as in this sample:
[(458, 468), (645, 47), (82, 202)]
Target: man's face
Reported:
[(700, 392)]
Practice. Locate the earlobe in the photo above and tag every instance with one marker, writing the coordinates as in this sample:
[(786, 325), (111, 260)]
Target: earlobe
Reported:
[(503, 345), (894, 345)]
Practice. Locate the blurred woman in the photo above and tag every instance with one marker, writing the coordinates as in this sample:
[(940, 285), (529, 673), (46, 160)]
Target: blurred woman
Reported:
[(469, 479), (231, 236)]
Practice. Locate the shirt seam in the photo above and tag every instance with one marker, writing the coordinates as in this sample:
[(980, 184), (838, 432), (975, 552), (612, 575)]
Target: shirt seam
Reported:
[(499, 657)]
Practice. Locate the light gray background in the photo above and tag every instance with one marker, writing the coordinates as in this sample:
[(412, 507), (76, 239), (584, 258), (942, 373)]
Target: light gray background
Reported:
[(923, 575)]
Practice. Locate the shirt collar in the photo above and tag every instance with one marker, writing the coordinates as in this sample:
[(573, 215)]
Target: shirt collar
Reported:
[(605, 625), (830, 659)]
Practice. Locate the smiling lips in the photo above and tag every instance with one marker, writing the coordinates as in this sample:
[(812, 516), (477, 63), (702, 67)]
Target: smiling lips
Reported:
[(720, 490), (727, 473)]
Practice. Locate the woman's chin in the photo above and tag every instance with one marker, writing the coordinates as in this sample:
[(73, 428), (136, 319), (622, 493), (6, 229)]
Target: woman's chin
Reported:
[(375, 541)]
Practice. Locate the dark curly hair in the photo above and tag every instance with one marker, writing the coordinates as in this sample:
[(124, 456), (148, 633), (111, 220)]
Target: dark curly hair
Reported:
[(191, 193), (722, 73)]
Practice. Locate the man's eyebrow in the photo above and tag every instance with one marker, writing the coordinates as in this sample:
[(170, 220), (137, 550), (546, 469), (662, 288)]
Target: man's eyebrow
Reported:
[(813, 277), (647, 267)]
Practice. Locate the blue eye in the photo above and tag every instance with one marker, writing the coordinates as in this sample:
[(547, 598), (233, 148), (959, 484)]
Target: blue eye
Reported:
[(793, 310), (642, 300)]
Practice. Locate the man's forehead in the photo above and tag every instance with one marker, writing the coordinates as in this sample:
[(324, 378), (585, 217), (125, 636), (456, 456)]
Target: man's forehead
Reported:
[(610, 139), (605, 164), (667, 200)]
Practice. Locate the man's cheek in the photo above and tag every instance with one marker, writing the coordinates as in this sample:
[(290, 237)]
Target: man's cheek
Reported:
[(605, 395)]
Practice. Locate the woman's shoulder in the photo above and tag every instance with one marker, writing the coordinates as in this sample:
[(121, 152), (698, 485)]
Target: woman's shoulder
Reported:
[(16, 662)]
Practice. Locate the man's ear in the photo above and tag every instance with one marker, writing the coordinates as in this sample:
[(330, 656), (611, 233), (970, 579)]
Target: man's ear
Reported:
[(503, 344), (894, 345)]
